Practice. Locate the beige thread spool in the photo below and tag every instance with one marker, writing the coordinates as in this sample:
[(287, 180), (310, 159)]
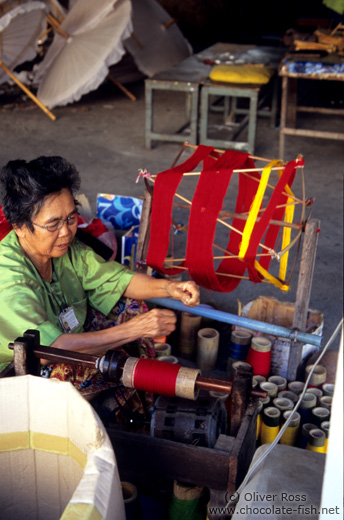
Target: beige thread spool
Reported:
[(280, 381), (189, 326), (317, 392), (207, 348), (328, 389), (296, 387), (270, 388), (162, 349), (288, 394), (326, 401), (169, 359), (318, 377)]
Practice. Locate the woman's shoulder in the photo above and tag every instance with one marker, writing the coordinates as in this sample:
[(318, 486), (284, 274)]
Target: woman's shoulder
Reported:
[(10, 250), (14, 266)]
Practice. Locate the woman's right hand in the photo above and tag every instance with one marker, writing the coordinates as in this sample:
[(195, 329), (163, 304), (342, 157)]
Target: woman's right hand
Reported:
[(152, 324)]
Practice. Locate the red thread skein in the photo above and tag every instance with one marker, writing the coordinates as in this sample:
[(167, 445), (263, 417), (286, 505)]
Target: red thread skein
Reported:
[(259, 356)]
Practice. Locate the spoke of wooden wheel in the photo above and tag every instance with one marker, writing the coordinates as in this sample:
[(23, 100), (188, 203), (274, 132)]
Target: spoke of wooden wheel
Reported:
[(219, 220), (247, 174)]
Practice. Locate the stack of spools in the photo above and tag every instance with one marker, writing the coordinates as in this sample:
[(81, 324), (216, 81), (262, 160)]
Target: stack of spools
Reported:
[(309, 427), (255, 350)]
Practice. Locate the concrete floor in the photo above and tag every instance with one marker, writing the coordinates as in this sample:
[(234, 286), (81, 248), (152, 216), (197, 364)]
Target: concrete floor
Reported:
[(103, 135)]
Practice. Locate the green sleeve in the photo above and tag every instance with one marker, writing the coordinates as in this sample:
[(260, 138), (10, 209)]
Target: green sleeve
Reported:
[(24, 309), (103, 281)]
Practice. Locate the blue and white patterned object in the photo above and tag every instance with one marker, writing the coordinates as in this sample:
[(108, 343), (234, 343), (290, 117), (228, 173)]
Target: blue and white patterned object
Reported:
[(122, 212), (311, 67)]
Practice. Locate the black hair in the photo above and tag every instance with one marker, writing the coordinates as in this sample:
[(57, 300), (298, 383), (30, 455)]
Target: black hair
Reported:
[(26, 185)]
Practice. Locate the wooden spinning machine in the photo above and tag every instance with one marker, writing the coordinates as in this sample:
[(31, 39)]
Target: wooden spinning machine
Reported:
[(267, 220), (260, 227)]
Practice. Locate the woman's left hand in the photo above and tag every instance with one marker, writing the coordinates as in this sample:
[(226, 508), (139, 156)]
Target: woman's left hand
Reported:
[(187, 292)]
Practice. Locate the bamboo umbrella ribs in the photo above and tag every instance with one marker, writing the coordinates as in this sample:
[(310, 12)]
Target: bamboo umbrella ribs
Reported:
[(20, 29), (87, 42), (162, 45)]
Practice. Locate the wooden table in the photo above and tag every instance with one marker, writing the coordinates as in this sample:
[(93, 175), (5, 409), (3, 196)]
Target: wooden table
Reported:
[(188, 76), (289, 106)]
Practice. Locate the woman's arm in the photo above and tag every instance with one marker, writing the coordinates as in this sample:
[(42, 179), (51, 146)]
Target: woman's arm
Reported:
[(142, 287), (155, 323)]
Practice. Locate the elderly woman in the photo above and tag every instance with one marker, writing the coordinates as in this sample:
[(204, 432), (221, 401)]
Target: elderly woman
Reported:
[(52, 282)]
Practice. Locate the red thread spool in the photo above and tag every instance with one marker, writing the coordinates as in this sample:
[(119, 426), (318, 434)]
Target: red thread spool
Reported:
[(259, 356), (158, 379)]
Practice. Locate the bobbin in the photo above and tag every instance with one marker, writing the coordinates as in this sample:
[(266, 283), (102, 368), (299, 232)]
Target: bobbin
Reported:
[(185, 384)]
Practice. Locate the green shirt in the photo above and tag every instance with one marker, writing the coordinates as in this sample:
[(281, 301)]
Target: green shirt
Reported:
[(29, 302)]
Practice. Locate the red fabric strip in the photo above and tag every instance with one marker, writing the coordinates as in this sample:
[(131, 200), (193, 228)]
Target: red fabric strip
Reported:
[(165, 187), (207, 203)]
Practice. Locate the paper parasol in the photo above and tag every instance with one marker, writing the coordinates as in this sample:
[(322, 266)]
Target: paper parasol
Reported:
[(78, 61), (157, 43), (20, 29)]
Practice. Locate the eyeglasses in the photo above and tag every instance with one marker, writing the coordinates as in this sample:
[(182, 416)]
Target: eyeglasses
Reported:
[(58, 223)]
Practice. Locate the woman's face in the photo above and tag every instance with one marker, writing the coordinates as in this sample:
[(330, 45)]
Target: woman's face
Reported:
[(42, 243)]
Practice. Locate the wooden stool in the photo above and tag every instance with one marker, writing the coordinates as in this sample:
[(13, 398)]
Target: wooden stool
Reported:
[(231, 92)]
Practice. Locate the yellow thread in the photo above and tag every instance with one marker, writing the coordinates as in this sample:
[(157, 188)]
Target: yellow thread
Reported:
[(268, 433), (272, 279), (259, 424), (326, 445), (255, 207), (289, 436), (319, 449)]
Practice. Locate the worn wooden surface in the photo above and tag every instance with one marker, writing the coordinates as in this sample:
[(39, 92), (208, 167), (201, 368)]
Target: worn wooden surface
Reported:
[(303, 294)]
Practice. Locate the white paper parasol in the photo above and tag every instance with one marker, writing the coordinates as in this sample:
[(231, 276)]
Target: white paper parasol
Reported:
[(157, 43), (20, 29), (78, 61)]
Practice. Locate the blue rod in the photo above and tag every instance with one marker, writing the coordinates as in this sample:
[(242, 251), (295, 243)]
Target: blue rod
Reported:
[(225, 317)]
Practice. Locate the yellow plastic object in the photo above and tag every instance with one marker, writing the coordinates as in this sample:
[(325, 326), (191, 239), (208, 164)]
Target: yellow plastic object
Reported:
[(249, 74)]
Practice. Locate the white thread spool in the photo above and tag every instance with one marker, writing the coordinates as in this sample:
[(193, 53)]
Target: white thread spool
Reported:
[(207, 348)]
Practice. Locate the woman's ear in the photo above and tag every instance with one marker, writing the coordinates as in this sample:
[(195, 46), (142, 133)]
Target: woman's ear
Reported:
[(20, 231)]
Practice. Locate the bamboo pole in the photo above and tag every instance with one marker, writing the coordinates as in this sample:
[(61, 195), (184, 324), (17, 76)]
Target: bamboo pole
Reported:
[(122, 87), (247, 174), (27, 91), (223, 151)]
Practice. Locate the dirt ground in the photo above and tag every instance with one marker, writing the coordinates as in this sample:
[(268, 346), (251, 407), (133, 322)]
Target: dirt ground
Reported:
[(103, 135)]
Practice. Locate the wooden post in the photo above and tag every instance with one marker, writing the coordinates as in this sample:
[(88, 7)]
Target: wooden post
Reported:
[(241, 391), (144, 230), (304, 286), (25, 361)]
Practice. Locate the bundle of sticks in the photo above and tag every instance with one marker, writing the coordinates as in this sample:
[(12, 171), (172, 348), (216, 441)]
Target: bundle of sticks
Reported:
[(331, 42)]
